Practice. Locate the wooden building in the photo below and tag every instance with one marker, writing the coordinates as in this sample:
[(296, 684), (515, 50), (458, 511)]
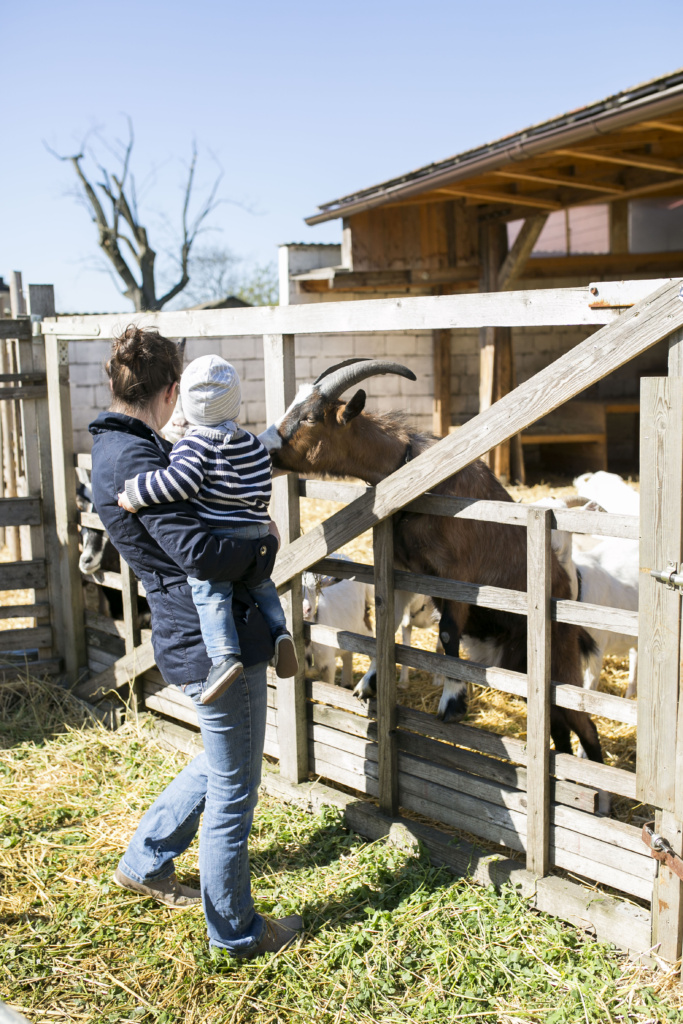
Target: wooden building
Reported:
[(593, 195)]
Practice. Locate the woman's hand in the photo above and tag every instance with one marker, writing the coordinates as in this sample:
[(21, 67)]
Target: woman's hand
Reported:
[(124, 502), (272, 530)]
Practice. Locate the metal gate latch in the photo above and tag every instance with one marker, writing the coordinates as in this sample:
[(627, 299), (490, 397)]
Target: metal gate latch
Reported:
[(669, 576), (661, 850)]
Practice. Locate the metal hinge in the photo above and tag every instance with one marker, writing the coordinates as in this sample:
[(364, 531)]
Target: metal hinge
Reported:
[(661, 849), (669, 576)]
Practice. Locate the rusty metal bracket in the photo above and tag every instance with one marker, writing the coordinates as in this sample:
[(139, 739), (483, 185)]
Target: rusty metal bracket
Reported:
[(661, 850)]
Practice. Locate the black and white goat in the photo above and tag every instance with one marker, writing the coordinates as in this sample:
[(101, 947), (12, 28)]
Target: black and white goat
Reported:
[(320, 434)]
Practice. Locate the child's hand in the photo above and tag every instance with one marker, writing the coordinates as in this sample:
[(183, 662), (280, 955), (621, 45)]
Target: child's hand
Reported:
[(124, 502)]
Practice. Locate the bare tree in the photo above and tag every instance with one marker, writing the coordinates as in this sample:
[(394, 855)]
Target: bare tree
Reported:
[(119, 226)]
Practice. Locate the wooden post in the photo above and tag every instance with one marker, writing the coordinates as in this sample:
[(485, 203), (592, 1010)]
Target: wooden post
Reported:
[(618, 226), (538, 689), (72, 634), (441, 349), (660, 743), (7, 419), (280, 378), (385, 629), (495, 374), (36, 429), (131, 627)]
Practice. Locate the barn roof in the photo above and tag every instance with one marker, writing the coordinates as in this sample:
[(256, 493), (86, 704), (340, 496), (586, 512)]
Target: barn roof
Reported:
[(625, 146)]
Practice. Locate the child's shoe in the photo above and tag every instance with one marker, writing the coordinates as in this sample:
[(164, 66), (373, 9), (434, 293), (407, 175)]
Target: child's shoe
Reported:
[(285, 660), (220, 678)]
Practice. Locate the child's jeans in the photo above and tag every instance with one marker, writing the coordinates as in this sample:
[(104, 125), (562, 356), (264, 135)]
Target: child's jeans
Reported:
[(213, 601)]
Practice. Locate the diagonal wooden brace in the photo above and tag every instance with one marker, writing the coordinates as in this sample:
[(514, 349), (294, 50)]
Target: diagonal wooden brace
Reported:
[(122, 672)]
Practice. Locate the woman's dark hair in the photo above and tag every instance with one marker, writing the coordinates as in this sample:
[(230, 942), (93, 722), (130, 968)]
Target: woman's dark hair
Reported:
[(142, 364)]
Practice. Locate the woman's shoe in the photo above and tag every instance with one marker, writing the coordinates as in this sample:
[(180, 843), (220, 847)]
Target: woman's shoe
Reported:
[(220, 678), (277, 934), (163, 890), (285, 660)]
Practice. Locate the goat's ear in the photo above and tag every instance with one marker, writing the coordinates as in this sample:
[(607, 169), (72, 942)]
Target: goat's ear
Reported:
[(353, 407)]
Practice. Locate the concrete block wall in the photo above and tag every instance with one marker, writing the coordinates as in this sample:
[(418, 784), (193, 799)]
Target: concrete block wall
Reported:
[(314, 353)]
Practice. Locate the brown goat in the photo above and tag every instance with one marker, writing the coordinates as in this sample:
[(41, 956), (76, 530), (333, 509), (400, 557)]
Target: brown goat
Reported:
[(322, 435)]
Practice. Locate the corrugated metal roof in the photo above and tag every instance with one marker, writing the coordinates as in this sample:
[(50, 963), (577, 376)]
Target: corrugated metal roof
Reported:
[(660, 96)]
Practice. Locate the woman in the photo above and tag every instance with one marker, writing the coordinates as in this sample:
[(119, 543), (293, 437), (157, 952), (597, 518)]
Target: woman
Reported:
[(164, 545)]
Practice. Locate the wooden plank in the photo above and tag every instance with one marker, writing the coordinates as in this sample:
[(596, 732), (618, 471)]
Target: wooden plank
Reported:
[(91, 520), (515, 261), (616, 620), (441, 357), (20, 511), (39, 610), (599, 524), (539, 562), (113, 580), (472, 763), (35, 669), (71, 632), (564, 766), (23, 575), (83, 460), (637, 330), (280, 384), (537, 307), (25, 639), (23, 378), (385, 628), (121, 673), (594, 703), (19, 329), (10, 394), (661, 462), (612, 920)]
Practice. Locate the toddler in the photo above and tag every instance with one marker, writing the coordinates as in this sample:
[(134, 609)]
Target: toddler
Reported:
[(225, 472)]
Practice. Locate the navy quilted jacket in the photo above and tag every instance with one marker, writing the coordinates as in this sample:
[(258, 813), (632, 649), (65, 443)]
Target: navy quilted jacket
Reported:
[(164, 544)]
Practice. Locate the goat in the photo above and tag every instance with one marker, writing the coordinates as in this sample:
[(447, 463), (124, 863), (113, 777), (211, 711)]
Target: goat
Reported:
[(610, 491), (345, 604), (605, 575), (320, 434), (340, 603)]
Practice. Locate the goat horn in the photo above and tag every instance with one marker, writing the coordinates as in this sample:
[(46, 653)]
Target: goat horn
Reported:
[(343, 377), (338, 366)]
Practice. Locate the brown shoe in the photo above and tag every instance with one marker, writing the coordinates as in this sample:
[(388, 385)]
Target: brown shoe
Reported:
[(164, 890), (277, 934), (286, 661)]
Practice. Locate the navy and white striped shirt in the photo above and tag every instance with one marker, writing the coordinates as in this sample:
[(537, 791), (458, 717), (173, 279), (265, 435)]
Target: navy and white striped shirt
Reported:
[(227, 478)]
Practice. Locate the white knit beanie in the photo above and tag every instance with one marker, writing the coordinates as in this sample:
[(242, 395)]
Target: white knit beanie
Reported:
[(210, 391)]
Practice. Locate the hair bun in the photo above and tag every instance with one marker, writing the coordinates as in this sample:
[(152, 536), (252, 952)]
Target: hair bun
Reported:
[(130, 346)]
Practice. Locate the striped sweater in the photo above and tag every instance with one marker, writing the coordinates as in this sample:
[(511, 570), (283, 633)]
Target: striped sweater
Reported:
[(226, 477)]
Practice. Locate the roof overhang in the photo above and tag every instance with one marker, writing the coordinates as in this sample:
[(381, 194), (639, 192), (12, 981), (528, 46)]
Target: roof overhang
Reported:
[(659, 99)]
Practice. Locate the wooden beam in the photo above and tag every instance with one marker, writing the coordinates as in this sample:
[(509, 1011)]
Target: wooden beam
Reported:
[(441, 355), (513, 265), (500, 197), (618, 227), (635, 331), (634, 160), (664, 126), (495, 343), (563, 182), (124, 671)]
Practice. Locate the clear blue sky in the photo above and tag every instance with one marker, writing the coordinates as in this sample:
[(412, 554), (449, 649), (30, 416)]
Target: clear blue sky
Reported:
[(300, 102)]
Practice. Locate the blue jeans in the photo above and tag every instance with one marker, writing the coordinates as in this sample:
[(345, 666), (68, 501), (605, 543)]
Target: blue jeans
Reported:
[(222, 783), (213, 601)]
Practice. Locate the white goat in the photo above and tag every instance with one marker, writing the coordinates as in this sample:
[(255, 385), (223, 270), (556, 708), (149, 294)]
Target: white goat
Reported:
[(340, 603), (345, 604), (605, 575)]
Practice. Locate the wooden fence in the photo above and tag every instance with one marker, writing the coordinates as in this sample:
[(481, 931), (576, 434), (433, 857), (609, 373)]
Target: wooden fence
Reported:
[(537, 804), (41, 543)]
